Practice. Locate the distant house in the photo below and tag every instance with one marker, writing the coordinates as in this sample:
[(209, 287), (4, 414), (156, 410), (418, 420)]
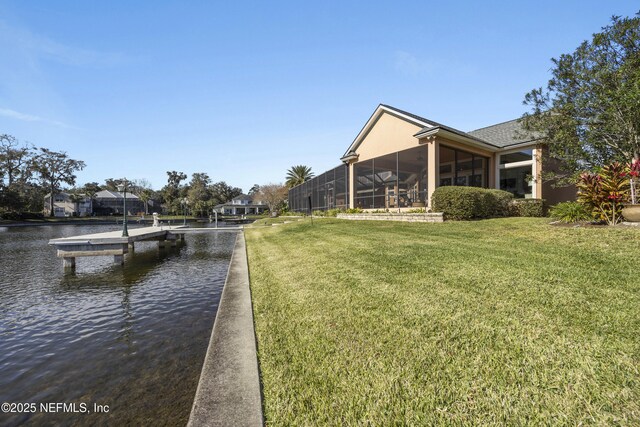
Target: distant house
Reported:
[(64, 205), (241, 205), (108, 202)]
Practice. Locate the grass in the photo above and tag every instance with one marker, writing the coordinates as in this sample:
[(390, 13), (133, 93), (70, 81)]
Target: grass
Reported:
[(506, 321), (278, 220)]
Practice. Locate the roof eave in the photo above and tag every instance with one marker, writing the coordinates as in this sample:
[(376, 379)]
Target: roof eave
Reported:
[(444, 133), (348, 158), (521, 144)]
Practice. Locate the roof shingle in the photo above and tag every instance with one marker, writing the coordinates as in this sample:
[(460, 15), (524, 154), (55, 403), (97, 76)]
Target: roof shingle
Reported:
[(503, 134)]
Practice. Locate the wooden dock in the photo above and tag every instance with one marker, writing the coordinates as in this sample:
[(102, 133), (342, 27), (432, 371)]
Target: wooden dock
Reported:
[(112, 243)]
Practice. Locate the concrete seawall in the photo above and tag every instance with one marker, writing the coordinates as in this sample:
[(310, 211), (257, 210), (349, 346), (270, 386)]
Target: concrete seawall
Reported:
[(228, 393)]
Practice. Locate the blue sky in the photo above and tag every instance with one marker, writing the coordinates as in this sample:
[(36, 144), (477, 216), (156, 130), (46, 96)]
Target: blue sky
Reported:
[(245, 90)]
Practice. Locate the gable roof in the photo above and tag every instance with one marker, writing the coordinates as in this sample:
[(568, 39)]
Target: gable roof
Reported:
[(428, 127), (418, 119), (499, 135), (381, 109), (243, 197), (66, 195), (504, 134), (494, 137)]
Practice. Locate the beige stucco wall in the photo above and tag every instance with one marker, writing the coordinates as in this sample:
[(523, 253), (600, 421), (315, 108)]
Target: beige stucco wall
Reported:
[(537, 167), (388, 135), (549, 192), (467, 148)]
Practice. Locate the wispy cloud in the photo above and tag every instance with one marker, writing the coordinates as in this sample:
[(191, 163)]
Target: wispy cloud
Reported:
[(44, 47), (27, 78), (411, 65), (6, 112), (408, 64)]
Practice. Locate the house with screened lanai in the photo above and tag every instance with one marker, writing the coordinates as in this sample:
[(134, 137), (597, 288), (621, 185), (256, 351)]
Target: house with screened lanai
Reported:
[(398, 160)]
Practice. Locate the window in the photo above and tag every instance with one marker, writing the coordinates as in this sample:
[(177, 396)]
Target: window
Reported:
[(461, 168), (520, 156), (517, 181), (516, 173)]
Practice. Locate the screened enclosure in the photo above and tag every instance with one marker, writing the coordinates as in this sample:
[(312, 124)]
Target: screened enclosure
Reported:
[(396, 180), (327, 191)]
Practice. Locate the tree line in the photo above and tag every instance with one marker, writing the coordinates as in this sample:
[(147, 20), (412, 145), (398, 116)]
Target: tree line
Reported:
[(29, 173), (200, 195)]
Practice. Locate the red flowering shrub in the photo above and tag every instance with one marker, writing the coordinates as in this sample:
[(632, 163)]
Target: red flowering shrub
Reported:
[(634, 175), (604, 193)]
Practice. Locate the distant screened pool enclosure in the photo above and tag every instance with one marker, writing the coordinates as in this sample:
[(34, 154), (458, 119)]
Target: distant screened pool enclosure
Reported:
[(398, 160)]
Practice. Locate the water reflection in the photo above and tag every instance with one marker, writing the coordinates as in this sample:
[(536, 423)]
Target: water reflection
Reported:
[(138, 262), (132, 337)]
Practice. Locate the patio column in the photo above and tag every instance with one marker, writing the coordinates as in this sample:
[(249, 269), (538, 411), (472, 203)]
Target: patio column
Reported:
[(537, 172), (352, 187), (433, 172)]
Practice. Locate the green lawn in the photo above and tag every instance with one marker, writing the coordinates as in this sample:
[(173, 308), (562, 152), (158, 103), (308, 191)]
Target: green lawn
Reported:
[(506, 321)]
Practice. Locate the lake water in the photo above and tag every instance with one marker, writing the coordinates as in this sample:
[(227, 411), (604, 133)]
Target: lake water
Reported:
[(131, 338)]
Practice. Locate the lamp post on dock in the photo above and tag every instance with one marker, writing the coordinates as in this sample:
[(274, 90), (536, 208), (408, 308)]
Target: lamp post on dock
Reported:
[(185, 203), (122, 187)]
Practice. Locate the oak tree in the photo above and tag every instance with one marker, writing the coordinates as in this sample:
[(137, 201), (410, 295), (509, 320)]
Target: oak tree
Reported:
[(56, 168), (589, 112)]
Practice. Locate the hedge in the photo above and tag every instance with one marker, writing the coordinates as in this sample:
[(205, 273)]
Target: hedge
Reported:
[(499, 202), (20, 216), (529, 207), (465, 203)]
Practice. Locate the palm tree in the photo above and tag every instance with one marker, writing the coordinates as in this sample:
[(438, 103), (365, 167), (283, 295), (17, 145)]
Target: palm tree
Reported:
[(298, 175), (145, 194), (91, 189)]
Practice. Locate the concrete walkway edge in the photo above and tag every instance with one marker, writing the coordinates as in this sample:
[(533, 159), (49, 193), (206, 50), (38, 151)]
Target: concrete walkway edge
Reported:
[(228, 393)]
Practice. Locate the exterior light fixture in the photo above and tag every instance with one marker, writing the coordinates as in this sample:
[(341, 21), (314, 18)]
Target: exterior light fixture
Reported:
[(122, 187)]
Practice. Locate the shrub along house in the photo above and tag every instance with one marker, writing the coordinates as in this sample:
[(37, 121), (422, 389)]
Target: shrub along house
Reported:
[(398, 160)]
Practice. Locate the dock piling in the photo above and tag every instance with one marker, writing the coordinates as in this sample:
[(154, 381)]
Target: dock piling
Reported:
[(113, 244)]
